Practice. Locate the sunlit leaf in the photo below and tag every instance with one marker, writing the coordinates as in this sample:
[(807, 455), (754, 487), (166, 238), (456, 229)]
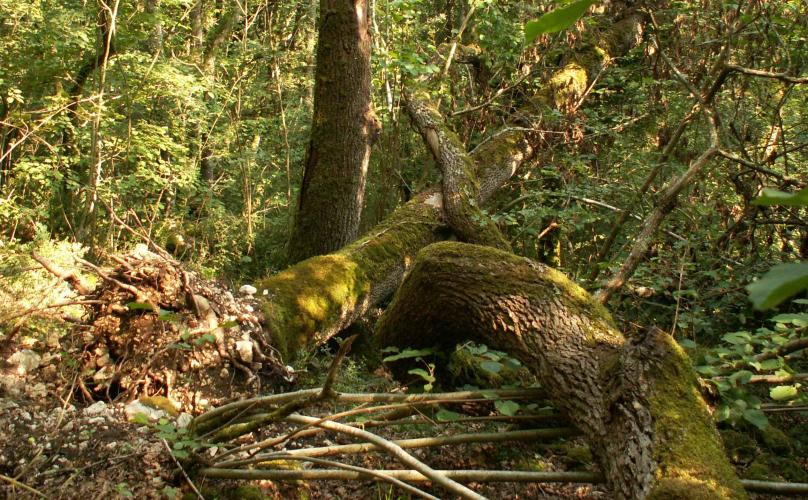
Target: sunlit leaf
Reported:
[(784, 392), (556, 20), (769, 197), (781, 282), (508, 408)]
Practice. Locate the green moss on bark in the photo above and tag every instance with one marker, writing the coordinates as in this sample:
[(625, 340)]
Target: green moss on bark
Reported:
[(314, 299), (692, 463)]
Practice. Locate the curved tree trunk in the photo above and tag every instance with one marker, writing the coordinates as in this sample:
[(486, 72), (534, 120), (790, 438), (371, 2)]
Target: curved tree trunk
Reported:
[(636, 401), (343, 129), (313, 300)]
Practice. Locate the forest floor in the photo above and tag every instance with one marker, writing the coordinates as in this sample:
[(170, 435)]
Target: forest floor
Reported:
[(95, 410)]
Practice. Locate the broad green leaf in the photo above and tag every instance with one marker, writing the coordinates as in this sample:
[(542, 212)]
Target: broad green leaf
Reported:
[(508, 408), (140, 418), (707, 370), (687, 344), (556, 20), (781, 282), (422, 373), (767, 365), (409, 353), (798, 319), (737, 338), (491, 366), (784, 392), (741, 377), (447, 416), (771, 196), (756, 418)]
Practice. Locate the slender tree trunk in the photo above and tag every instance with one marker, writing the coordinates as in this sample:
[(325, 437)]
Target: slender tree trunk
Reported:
[(636, 401), (343, 129), (155, 43)]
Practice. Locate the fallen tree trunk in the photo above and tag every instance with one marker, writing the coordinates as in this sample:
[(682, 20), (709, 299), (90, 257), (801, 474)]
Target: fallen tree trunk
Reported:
[(315, 299), (635, 401)]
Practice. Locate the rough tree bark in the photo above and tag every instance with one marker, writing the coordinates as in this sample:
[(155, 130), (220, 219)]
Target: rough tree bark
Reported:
[(636, 401), (343, 128), (313, 300)]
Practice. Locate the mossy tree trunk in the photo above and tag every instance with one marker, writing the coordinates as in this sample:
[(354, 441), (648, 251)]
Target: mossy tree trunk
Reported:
[(314, 299), (343, 128), (636, 401)]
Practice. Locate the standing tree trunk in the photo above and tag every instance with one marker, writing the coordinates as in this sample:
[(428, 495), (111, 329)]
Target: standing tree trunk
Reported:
[(636, 401), (342, 131)]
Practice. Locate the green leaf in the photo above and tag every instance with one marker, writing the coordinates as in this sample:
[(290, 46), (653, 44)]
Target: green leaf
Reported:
[(556, 20), (687, 344), (756, 418), (784, 392), (140, 418), (491, 366), (447, 416), (508, 408), (722, 413), (422, 373), (798, 319), (741, 377), (737, 338), (409, 353), (139, 306), (781, 282), (767, 365), (769, 197)]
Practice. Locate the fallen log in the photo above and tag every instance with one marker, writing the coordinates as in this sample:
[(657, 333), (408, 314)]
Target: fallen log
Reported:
[(635, 400)]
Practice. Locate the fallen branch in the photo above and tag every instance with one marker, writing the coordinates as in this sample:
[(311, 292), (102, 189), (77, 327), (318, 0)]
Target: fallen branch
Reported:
[(415, 443), (72, 279), (210, 419), (378, 475), (477, 476), (396, 451)]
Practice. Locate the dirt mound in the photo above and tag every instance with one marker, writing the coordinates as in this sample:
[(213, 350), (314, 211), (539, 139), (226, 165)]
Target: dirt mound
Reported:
[(159, 329)]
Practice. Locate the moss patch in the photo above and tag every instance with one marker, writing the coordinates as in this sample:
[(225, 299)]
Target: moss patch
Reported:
[(691, 460)]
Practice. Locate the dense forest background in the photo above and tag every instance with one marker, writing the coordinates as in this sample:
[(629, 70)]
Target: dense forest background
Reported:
[(188, 122)]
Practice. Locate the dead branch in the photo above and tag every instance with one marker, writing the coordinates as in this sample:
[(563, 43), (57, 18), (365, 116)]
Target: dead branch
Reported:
[(477, 476), (396, 451), (414, 443), (72, 279)]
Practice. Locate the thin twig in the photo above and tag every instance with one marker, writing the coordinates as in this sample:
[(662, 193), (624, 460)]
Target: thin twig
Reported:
[(415, 443), (182, 470), (396, 451), (362, 470), (18, 484)]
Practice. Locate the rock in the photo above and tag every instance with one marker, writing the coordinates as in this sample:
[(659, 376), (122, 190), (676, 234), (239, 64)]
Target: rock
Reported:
[(247, 290), (26, 361), (184, 420), (136, 407), (98, 408), (245, 350), (37, 391), (12, 385)]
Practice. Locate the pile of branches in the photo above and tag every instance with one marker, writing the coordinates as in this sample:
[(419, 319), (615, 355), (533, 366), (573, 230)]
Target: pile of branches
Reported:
[(153, 327)]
